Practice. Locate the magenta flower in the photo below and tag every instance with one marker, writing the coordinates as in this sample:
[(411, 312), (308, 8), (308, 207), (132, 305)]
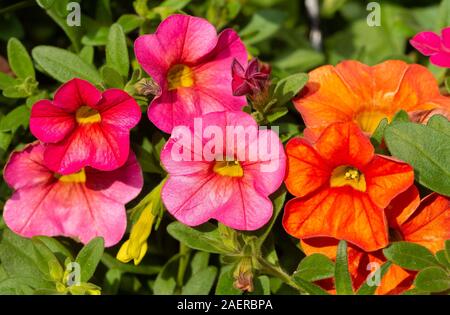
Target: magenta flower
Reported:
[(82, 205), (192, 65), (84, 127), (222, 166), (252, 80), (435, 46)]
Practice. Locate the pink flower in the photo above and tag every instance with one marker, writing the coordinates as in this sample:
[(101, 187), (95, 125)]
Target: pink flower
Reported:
[(222, 166), (192, 65), (84, 127), (431, 44), (82, 205)]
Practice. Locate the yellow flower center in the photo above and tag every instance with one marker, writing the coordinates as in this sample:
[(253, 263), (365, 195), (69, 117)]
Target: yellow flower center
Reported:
[(348, 175), (78, 177), (368, 121), (180, 76), (229, 168), (87, 115)]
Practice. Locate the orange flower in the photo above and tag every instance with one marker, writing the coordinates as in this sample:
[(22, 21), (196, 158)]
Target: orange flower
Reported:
[(353, 91), (342, 187), (427, 224)]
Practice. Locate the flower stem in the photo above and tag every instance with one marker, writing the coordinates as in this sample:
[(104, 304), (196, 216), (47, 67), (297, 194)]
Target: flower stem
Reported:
[(278, 272)]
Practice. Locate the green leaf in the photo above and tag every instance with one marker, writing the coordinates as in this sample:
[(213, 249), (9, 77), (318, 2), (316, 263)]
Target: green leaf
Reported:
[(288, 87), (343, 281), (299, 60), (89, 257), (5, 141), (441, 257), (447, 249), (47, 261), (261, 286), (87, 54), (201, 282), (263, 25), (400, 116), (447, 84), (432, 279), (315, 267), (199, 262), (112, 281), (278, 198), (205, 237), (378, 134), (439, 123), (410, 255), (60, 251), (16, 118), (130, 22), (64, 65), (112, 263), (166, 282), (17, 256), (117, 51), (5, 81), (225, 284), (366, 289), (19, 59), (426, 149), (309, 287), (112, 78)]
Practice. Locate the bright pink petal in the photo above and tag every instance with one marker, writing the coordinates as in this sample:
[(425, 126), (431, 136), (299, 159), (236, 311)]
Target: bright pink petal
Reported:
[(179, 39), (193, 199), (428, 43), (441, 59), (268, 171), (213, 79), (26, 168), (446, 38), (75, 93), (100, 146), (50, 123), (246, 210), (79, 210), (118, 109)]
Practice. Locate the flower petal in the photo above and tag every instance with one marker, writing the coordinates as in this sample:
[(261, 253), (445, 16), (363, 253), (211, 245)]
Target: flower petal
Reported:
[(344, 144), (441, 59), (75, 93), (429, 225), (402, 207), (428, 43), (307, 171), (386, 179), (50, 123), (342, 213)]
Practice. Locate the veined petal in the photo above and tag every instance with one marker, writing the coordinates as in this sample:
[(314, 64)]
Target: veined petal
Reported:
[(428, 43), (307, 171), (402, 207), (342, 213), (429, 225), (76, 93), (386, 178), (50, 123), (344, 144)]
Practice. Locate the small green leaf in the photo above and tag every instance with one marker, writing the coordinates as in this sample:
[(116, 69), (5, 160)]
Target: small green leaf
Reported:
[(6, 81), (19, 59), (426, 149), (343, 281), (112, 78), (378, 134), (447, 249), (64, 65), (166, 282), (315, 267), (261, 286), (16, 118), (441, 257), (87, 54), (410, 255), (117, 51), (447, 84), (205, 237), (400, 116), (432, 279), (130, 22), (288, 87), (89, 257), (201, 282), (263, 25), (47, 261), (309, 287)]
